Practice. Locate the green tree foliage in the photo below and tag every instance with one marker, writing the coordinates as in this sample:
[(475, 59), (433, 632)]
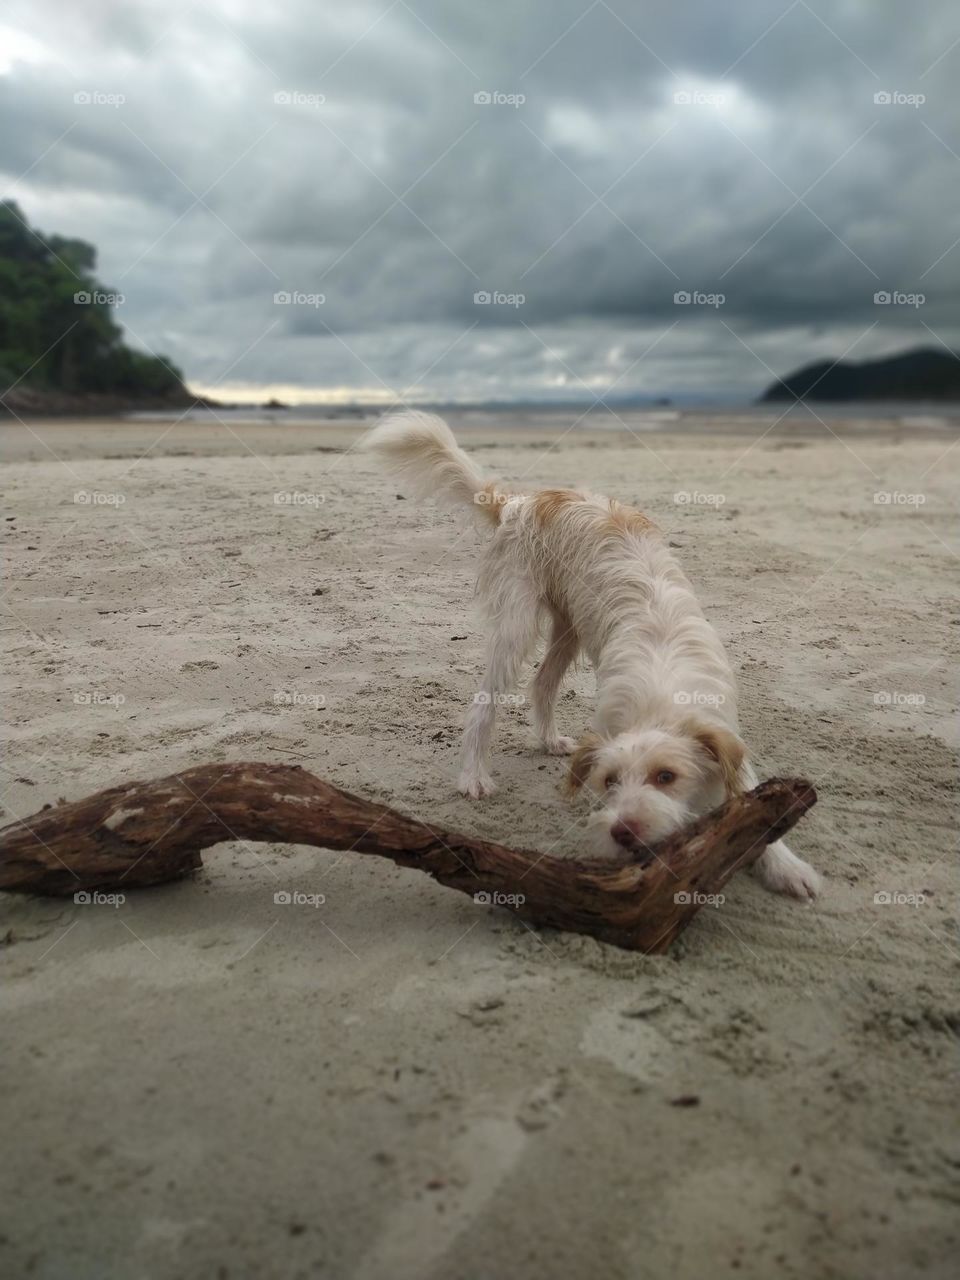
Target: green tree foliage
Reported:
[(40, 279)]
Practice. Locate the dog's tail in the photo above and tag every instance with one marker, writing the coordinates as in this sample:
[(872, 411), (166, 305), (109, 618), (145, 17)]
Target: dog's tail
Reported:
[(423, 449)]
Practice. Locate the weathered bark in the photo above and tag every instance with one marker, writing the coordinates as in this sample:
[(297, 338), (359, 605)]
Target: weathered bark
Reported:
[(149, 832)]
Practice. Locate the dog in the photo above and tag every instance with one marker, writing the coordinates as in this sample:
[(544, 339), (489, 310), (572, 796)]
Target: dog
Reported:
[(598, 577)]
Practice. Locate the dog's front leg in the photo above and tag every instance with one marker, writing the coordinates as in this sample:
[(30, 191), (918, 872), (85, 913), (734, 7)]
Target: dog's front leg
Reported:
[(778, 868), (781, 871)]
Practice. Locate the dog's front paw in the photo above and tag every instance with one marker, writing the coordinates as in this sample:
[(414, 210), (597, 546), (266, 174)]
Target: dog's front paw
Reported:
[(781, 871), (560, 746), (476, 785)]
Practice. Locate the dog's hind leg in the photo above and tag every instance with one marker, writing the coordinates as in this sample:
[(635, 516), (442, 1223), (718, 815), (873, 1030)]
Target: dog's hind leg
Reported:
[(511, 640), (561, 652)]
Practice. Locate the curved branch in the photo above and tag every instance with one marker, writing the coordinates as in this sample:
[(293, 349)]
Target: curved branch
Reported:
[(146, 833)]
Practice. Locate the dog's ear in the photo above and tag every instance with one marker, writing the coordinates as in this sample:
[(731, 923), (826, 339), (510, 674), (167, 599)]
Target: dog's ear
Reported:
[(724, 747), (583, 760)]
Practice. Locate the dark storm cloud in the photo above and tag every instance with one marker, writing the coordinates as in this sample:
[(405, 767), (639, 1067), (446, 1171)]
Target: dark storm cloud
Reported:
[(379, 183)]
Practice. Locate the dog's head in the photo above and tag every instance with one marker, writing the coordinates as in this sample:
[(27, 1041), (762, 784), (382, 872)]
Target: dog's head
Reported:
[(650, 782)]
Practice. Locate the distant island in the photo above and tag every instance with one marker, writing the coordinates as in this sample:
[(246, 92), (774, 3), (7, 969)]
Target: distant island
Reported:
[(60, 349), (923, 374)]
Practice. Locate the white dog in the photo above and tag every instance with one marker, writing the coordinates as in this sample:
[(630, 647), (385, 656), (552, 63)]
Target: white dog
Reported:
[(664, 747)]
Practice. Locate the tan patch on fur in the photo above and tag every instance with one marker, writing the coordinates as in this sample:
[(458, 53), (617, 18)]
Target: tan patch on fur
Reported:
[(548, 504), (583, 760), (628, 520), (725, 747)]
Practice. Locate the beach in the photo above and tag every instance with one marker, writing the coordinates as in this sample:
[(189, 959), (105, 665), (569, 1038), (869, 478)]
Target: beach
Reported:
[(393, 1082)]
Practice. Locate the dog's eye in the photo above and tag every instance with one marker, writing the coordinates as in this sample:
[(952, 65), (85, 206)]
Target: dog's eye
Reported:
[(665, 777), (610, 780)]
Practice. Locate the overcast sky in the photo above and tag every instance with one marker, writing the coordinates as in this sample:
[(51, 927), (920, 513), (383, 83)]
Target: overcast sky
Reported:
[(220, 154)]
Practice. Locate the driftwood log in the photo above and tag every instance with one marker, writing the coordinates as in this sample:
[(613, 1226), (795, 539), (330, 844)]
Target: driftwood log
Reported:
[(146, 833)]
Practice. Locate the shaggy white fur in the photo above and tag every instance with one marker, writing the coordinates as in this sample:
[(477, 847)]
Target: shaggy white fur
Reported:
[(597, 576)]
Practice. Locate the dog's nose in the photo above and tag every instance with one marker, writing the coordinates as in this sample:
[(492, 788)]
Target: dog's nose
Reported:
[(627, 834)]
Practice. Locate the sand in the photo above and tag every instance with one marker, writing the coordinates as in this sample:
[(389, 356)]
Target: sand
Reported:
[(200, 1082)]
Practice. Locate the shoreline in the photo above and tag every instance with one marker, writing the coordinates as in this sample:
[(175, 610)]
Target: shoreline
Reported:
[(284, 433)]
